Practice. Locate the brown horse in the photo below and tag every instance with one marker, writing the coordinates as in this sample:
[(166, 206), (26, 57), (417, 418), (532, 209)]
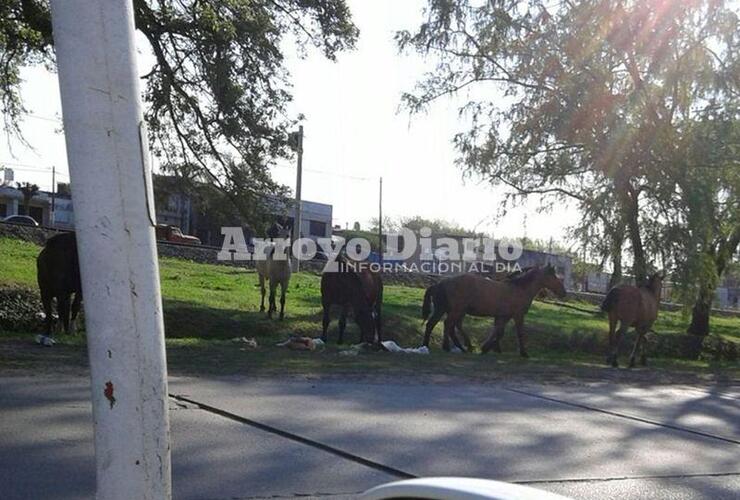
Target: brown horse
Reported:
[(503, 300), (632, 306), (58, 275), (362, 290)]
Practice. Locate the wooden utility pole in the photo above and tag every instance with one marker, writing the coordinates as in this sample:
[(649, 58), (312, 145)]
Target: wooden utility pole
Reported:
[(298, 185), (380, 222), (53, 194)]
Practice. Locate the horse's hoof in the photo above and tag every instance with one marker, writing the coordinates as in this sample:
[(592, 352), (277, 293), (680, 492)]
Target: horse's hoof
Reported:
[(632, 363), (643, 361), (262, 309)]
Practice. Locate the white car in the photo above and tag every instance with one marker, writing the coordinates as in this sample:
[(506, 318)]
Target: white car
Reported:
[(21, 219), (457, 488)]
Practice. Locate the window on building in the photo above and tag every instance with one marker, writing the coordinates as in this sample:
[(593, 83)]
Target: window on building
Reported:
[(317, 228), (3, 210)]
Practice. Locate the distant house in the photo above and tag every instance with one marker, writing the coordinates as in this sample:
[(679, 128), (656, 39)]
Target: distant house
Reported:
[(12, 203), (176, 208), (315, 219)]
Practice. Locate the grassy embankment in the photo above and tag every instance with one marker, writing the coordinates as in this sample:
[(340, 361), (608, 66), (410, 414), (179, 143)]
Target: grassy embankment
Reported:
[(206, 305)]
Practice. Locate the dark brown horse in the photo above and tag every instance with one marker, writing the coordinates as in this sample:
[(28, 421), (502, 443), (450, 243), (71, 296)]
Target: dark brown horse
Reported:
[(58, 274), (632, 306), (362, 290), (479, 296)]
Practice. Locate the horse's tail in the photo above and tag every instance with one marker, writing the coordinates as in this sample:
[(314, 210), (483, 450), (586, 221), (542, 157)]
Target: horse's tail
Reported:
[(426, 307), (610, 299)]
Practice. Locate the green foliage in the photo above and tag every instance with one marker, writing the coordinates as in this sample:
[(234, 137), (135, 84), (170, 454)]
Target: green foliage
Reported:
[(216, 98), (593, 103), (416, 222), (701, 198)]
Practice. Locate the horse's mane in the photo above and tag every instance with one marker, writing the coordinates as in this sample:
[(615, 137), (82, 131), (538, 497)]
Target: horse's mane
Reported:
[(523, 277)]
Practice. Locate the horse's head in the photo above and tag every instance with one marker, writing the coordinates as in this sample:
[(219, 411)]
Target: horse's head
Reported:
[(278, 231), (552, 282), (655, 283)]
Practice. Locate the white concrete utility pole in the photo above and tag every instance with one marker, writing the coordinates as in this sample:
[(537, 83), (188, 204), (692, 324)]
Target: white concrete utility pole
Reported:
[(114, 215)]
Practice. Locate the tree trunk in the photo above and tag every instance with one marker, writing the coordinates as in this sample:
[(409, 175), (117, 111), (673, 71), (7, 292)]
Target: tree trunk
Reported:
[(630, 209), (703, 305), (616, 276), (639, 265), (617, 237), (700, 313)]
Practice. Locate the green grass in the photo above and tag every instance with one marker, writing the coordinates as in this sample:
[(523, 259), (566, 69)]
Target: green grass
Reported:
[(205, 305)]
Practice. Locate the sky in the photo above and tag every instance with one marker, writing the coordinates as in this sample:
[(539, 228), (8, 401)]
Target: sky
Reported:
[(355, 133)]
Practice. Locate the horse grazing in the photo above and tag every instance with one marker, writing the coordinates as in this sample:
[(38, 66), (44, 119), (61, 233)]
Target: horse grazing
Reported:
[(479, 296), (632, 306), (361, 290), (274, 268), (58, 275)]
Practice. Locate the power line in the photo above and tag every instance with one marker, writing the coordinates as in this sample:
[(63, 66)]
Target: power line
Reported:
[(45, 118), (334, 174), (30, 168)]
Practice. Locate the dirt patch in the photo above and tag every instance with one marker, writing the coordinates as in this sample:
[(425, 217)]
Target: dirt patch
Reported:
[(21, 356)]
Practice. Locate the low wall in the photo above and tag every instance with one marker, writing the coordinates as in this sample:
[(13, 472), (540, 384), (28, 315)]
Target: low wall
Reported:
[(597, 298)]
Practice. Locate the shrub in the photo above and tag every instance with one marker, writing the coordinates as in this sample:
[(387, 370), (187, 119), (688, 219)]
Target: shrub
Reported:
[(20, 309)]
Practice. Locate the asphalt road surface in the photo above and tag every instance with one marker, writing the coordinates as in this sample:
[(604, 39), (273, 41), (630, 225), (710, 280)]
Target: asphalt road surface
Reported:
[(244, 438)]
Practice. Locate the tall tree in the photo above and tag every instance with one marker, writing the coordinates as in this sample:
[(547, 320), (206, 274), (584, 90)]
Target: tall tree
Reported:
[(217, 94), (701, 203), (564, 97), (28, 191)]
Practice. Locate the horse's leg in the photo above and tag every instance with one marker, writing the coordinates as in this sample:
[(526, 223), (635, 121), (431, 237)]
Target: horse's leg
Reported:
[(466, 337), (283, 286), (262, 292), (643, 356), (617, 342), (445, 338), (521, 336), (431, 323), (499, 326), (272, 307), (326, 321), (378, 320), (46, 299), (502, 321), (76, 303), (450, 323), (612, 331), (63, 309), (343, 325), (640, 332)]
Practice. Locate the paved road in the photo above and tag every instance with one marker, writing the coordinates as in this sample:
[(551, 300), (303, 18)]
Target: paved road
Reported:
[(251, 438)]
